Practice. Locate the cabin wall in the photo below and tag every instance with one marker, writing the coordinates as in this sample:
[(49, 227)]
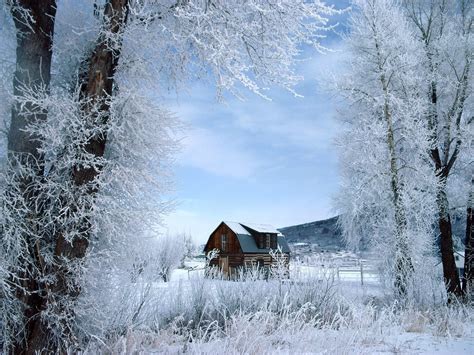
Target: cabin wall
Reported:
[(215, 241), (253, 259), (232, 264), (247, 259), (250, 259)]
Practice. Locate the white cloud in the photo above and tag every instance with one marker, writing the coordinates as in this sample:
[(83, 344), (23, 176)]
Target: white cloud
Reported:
[(218, 153), (310, 131)]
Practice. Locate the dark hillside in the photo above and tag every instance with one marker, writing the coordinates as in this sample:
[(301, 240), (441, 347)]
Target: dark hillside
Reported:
[(323, 235)]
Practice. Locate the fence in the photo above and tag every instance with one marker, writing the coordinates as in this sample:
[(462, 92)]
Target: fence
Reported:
[(365, 273), (346, 271)]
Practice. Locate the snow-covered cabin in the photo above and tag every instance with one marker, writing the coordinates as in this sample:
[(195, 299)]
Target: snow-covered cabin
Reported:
[(244, 245)]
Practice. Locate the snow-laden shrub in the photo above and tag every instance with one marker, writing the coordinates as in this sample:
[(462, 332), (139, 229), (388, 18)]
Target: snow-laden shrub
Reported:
[(360, 329), (204, 305), (204, 313)]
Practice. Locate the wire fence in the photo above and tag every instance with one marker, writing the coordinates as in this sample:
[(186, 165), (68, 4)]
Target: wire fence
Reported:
[(347, 271)]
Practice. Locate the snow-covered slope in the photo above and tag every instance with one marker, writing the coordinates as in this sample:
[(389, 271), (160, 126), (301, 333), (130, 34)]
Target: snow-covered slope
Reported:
[(321, 235), (324, 235)]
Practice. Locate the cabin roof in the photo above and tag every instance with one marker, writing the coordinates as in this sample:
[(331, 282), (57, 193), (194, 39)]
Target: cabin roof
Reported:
[(248, 244), (262, 228), (240, 228), (237, 228), (247, 241)]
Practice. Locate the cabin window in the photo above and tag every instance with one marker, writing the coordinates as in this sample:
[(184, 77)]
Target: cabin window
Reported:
[(224, 242), (268, 241), (274, 242)]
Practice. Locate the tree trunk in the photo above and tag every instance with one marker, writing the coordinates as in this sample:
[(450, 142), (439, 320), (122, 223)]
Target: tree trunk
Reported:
[(98, 84), (96, 87), (403, 261), (442, 170), (450, 272), (468, 279), (32, 73), (33, 68)]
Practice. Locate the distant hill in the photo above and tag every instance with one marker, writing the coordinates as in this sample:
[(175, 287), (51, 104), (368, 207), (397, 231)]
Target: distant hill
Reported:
[(325, 235), (322, 235)]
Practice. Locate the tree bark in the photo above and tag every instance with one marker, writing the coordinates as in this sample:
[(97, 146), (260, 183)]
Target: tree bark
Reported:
[(33, 70), (450, 272), (96, 88), (33, 73), (98, 84), (468, 279), (442, 171), (429, 19)]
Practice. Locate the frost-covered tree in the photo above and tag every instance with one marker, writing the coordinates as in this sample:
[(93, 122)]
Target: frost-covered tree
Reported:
[(468, 280), (189, 247), (21, 230), (431, 45), (89, 143), (154, 258), (168, 255), (385, 195), (444, 29)]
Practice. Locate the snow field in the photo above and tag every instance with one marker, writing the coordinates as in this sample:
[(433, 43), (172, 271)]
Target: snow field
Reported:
[(313, 312)]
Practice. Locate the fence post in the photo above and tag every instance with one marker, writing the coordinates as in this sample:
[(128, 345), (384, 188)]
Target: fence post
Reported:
[(361, 273)]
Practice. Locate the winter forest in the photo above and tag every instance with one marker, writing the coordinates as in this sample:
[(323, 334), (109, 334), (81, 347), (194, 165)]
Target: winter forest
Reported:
[(89, 146)]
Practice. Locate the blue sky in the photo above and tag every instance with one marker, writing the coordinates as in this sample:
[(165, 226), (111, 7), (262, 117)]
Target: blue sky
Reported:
[(257, 160)]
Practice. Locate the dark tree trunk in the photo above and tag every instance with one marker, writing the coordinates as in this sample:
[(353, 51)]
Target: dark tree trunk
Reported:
[(442, 170), (98, 84), (96, 87), (32, 73), (468, 279), (450, 272), (33, 69)]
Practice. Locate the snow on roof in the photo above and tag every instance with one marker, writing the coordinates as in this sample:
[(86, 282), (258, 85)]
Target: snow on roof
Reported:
[(237, 228), (262, 228)]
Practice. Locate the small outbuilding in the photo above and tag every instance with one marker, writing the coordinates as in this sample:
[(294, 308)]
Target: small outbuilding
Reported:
[(244, 245)]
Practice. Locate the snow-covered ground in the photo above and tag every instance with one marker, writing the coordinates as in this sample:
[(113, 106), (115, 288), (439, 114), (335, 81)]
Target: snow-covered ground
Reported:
[(320, 312)]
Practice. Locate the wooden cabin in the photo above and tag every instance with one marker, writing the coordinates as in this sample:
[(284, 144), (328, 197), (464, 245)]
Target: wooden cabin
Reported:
[(244, 245)]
